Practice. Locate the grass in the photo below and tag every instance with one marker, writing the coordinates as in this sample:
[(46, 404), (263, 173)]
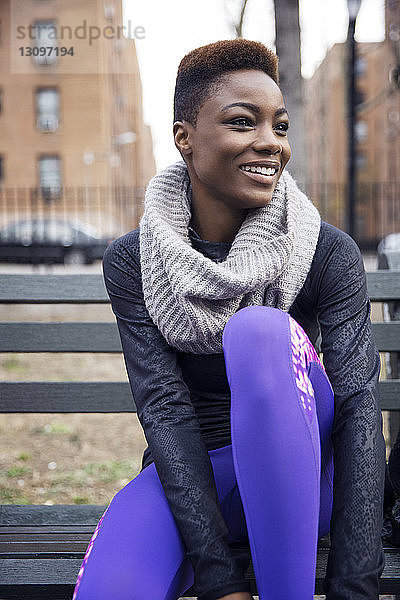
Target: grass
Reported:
[(13, 365), (111, 470), (12, 495), (53, 429), (17, 471), (24, 456)]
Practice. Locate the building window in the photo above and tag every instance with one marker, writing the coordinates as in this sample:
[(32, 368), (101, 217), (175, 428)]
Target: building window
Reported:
[(47, 109), (361, 131), (50, 176), (45, 37)]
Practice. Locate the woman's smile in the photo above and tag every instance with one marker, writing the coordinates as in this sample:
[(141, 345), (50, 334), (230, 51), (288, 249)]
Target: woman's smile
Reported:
[(263, 172)]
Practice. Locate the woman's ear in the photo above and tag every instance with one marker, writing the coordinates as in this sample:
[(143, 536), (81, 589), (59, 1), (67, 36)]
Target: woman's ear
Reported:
[(182, 137)]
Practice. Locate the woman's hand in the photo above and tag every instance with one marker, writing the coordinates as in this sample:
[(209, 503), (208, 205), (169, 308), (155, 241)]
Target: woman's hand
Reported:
[(237, 596)]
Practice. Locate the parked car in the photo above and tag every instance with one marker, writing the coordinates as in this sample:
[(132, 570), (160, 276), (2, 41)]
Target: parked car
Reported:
[(51, 241)]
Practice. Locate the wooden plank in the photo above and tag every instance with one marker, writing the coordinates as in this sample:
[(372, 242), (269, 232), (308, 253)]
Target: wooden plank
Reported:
[(45, 532), (56, 516), (104, 337), (36, 592), (52, 289), (66, 397), (59, 337), (63, 572), (382, 286), (38, 548), (106, 396), (389, 394), (387, 336)]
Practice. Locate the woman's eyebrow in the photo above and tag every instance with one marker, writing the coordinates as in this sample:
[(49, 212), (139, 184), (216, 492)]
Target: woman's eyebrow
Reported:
[(281, 111), (248, 105), (255, 108)]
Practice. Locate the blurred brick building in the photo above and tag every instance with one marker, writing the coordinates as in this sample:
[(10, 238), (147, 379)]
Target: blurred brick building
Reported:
[(72, 136), (377, 131)]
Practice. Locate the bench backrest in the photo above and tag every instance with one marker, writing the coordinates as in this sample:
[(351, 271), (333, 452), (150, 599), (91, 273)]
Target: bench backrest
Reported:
[(98, 396)]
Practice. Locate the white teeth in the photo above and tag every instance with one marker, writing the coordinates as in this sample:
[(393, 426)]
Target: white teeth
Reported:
[(261, 170)]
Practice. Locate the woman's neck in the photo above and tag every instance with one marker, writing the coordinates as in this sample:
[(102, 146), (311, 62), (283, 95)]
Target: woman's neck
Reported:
[(214, 221)]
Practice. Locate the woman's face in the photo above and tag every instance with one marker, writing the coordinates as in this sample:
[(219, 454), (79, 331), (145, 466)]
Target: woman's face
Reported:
[(240, 129)]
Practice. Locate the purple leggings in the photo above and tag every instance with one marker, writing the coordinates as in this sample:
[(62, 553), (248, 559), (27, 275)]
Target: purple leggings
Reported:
[(274, 481)]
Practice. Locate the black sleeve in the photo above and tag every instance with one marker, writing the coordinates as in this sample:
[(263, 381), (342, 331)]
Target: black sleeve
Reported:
[(356, 558), (170, 425)]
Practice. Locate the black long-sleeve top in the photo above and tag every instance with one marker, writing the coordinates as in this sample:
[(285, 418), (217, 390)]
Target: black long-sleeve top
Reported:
[(183, 405)]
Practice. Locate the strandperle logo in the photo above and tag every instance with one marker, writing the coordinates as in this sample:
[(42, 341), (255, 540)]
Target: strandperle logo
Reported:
[(49, 31)]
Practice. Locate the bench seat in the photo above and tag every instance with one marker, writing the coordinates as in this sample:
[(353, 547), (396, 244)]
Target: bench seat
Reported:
[(42, 548)]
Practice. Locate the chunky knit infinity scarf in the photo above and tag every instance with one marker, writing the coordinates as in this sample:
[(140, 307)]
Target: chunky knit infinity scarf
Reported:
[(188, 296)]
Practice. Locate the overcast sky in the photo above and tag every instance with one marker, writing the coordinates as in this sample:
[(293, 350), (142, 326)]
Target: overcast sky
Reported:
[(174, 27)]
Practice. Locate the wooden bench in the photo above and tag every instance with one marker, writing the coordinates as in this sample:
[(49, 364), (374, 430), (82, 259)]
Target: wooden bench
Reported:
[(42, 547)]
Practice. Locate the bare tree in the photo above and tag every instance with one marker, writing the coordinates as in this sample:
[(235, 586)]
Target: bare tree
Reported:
[(237, 22), (287, 28), (239, 26)]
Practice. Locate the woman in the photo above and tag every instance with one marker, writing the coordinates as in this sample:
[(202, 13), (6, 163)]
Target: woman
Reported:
[(218, 296)]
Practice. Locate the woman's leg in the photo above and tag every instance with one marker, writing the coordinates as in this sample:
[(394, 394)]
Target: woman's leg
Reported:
[(136, 551), (276, 446)]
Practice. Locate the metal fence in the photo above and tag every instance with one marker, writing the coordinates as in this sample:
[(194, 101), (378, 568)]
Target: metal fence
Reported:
[(116, 210), (377, 208), (112, 210)]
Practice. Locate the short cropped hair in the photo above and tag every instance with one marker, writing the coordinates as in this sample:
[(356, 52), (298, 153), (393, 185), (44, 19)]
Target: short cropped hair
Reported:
[(201, 72)]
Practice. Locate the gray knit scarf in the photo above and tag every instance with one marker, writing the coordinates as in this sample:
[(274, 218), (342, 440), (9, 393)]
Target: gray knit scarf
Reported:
[(189, 297)]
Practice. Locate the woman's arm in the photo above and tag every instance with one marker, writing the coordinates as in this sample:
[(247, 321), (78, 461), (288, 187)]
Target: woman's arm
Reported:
[(352, 363), (170, 425)]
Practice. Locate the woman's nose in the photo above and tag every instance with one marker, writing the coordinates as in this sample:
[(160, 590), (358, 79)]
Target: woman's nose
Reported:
[(267, 142)]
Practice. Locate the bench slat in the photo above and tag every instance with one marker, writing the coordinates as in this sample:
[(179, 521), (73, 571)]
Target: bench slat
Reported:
[(106, 396), (35, 547), (66, 397), (64, 571), (89, 288), (59, 337), (57, 516), (104, 337), (389, 394), (387, 336), (53, 289), (383, 285)]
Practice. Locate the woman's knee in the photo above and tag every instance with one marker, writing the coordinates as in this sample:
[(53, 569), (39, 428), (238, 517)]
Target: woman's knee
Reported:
[(255, 323)]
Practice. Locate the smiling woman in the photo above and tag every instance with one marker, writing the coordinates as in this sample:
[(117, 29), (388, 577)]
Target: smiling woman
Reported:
[(222, 296)]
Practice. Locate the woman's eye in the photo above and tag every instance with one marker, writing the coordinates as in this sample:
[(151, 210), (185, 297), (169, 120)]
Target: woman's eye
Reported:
[(282, 127), (242, 122)]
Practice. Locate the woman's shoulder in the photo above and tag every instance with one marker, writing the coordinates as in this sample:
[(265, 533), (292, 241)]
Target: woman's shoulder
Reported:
[(337, 258), (335, 249), (129, 240), (335, 239), (125, 250)]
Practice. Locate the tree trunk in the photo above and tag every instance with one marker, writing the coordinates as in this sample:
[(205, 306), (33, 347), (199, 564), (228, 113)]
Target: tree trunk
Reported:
[(287, 28)]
